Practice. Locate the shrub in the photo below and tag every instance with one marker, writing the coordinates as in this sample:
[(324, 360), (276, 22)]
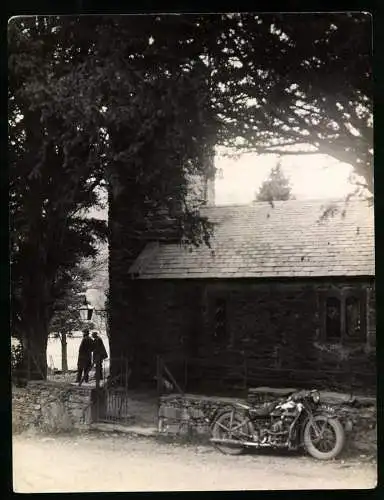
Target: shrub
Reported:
[(17, 364)]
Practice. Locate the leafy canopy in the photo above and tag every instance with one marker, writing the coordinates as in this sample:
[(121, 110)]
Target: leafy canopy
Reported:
[(55, 170), (138, 104)]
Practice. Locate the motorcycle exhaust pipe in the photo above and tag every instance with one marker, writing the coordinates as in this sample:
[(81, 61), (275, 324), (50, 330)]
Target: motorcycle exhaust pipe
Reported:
[(239, 443)]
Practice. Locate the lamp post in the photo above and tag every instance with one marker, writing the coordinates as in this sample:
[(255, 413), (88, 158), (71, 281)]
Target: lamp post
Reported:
[(86, 311)]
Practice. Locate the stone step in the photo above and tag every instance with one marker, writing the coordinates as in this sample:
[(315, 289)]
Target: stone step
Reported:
[(127, 429)]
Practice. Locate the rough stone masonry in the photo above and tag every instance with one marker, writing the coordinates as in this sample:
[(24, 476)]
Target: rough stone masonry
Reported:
[(51, 406)]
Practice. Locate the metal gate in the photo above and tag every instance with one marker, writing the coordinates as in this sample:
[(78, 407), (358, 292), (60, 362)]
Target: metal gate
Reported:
[(112, 405), (111, 401)]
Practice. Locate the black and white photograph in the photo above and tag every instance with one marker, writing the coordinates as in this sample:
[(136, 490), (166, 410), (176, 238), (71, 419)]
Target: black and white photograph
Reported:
[(192, 252)]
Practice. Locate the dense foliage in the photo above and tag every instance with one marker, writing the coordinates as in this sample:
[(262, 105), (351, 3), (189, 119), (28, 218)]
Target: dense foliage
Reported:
[(55, 168), (138, 104), (301, 80), (17, 363)]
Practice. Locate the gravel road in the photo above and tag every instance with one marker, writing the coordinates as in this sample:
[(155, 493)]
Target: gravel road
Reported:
[(101, 462)]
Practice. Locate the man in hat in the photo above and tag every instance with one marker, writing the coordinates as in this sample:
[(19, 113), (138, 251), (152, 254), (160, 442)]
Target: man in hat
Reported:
[(84, 362), (99, 354)]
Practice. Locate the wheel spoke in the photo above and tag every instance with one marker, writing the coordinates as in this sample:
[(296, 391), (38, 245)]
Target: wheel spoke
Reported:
[(241, 424), (235, 429), (230, 426), (315, 427), (325, 439), (321, 431), (315, 436), (223, 426), (327, 445)]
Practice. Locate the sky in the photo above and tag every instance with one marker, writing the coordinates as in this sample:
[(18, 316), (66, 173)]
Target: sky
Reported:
[(312, 176)]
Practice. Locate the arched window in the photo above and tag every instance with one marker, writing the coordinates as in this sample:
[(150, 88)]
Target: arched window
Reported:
[(354, 328), (333, 318), (344, 315), (220, 320)]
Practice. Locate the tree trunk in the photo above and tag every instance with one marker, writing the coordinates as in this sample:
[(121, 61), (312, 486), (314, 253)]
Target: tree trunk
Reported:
[(35, 360), (64, 358), (35, 314)]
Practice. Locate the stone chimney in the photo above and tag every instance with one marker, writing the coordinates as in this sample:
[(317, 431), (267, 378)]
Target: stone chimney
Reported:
[(209, 191)]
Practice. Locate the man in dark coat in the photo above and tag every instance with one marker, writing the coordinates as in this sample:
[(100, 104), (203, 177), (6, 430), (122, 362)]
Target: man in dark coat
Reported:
[(99, 354), (84, 362)]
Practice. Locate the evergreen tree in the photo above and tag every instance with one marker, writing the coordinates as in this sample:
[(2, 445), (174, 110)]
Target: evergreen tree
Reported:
[(55, 169), (66, 317), (276, 187)]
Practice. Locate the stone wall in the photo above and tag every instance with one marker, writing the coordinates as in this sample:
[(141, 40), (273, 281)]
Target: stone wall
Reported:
[(274, 334), (51, 406), (189, 414)]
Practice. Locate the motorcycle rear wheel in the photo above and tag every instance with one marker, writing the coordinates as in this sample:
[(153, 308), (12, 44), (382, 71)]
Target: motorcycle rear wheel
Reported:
[(231, 425), (331, 440)]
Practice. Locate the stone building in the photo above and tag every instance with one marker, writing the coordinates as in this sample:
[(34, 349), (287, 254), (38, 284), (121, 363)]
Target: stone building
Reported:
[(284, 296)]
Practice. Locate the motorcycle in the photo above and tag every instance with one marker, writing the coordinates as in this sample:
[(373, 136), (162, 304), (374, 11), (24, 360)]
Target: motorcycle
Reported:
[(298, 421)]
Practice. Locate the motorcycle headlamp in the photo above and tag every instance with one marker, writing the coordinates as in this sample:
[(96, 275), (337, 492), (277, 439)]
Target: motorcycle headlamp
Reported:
[(315, 396)]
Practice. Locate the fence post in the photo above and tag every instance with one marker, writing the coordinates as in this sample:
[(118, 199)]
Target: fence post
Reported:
[(126, 374), (97, 376), (171, 377), (158, 375), (245, 372), (28, 365), (158, 389), (185, 373)]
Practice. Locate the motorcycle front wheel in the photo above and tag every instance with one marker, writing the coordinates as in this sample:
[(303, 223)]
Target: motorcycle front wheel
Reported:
[(324, 437), (231, 425)]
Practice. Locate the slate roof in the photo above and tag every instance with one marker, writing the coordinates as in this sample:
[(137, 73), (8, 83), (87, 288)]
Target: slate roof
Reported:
[(290, 239)]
